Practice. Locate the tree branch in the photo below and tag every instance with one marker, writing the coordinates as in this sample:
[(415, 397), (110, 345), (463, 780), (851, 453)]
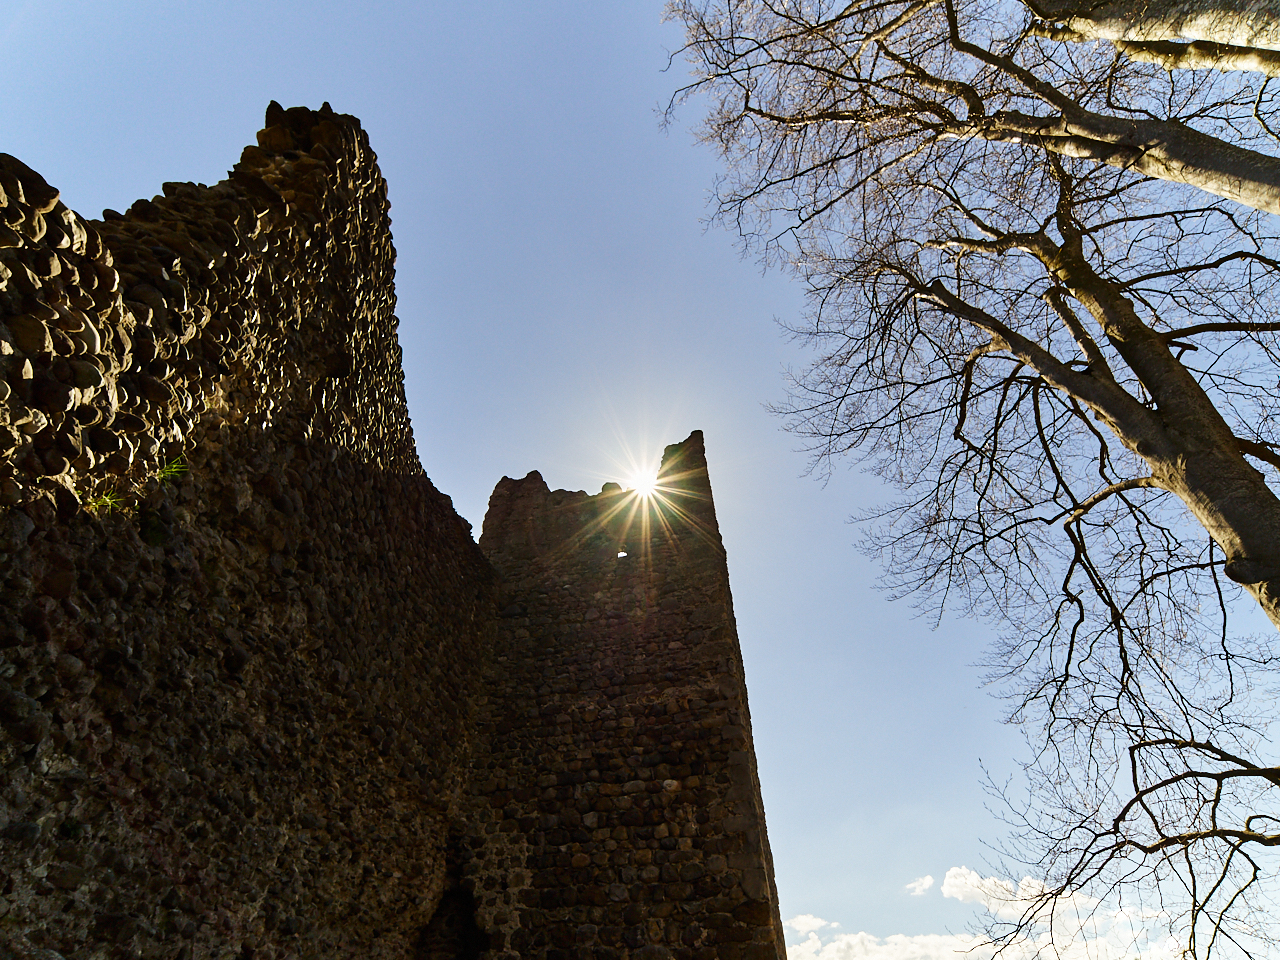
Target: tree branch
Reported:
[(1097, 498), (1224, 326), (1098, 365), (1130, 420), (1259, 451), (1202, 55), (1163, 149)]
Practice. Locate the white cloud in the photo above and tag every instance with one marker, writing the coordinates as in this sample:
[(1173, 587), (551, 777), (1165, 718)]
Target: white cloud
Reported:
[(918, 886), (996, 894), (1009, 902), (993, 893), (807, 923), (1083, 929), (863, 946)]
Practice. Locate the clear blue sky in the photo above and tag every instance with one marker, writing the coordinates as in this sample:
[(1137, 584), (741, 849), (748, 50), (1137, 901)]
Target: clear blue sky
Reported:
[(561, 305)]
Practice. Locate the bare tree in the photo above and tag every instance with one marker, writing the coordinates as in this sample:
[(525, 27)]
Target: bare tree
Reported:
[(1070, 369)]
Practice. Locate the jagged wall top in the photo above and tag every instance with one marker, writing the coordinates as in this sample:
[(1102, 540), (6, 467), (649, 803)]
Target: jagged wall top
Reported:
[(112, 351), (529, 523)]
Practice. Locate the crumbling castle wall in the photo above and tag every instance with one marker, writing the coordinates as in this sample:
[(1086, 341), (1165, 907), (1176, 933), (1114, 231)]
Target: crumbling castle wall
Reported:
[(237, 701), (256, 696)]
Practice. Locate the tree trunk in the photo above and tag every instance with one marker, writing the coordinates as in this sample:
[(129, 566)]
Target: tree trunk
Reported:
[(1235, 23), (1234, 504)]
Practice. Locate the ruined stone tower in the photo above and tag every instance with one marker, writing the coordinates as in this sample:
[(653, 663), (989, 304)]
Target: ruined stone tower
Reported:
[(261, 694), (614, 771)]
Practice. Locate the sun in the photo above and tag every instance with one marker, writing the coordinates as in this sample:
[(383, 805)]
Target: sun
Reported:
[(643, 482)]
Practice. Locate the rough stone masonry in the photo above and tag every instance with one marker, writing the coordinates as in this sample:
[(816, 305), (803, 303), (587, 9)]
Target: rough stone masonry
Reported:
[(261, 694)]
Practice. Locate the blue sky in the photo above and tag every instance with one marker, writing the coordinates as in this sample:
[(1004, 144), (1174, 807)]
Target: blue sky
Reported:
[(562, 308)]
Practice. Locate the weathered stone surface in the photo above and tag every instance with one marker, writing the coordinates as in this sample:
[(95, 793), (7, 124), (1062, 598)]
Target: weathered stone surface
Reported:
[(261, 695)]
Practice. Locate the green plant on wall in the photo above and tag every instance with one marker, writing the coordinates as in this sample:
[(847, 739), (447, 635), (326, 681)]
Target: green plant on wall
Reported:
[(172, 470), (109, 500), (104, 503)]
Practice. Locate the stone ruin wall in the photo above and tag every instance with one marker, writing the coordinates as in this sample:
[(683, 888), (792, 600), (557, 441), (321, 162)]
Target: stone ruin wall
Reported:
[(257, 699), (237, 703)]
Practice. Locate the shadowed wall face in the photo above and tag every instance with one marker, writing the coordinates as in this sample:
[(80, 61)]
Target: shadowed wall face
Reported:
[(617, 810), (260, 694)]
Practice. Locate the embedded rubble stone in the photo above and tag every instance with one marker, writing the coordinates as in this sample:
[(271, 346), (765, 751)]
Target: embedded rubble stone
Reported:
[(261, 694)]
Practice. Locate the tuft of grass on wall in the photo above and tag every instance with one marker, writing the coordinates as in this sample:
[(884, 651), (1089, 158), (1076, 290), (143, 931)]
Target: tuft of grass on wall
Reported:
[(172, 470)]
